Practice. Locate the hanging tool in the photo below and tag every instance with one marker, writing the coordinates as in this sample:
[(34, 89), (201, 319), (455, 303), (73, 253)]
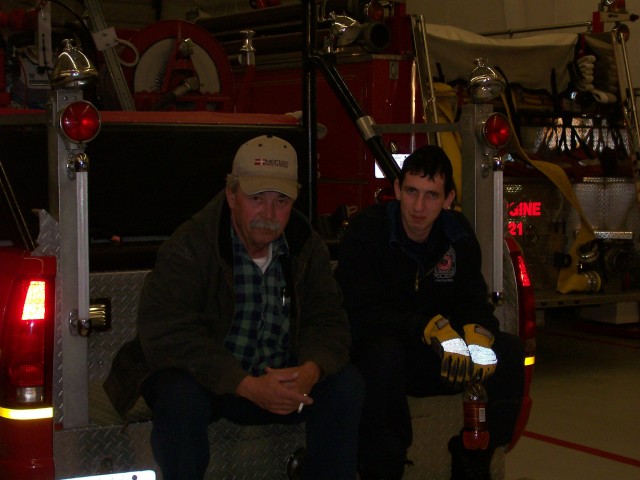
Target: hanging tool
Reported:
[(106, 41)]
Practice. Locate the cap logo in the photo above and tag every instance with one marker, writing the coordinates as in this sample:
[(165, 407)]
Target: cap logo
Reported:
[(263, 162)]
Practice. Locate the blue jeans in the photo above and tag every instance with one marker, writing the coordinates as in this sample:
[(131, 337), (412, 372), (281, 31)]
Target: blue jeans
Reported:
[(183, 409)]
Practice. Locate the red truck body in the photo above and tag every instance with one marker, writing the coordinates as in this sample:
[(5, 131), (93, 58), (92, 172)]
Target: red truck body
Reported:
[(148, 172)]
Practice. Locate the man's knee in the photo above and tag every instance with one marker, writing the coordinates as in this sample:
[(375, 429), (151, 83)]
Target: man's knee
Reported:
[(349, 385), (176, 394)]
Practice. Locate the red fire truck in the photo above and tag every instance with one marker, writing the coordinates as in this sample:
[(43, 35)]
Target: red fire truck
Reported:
[(108, 184)]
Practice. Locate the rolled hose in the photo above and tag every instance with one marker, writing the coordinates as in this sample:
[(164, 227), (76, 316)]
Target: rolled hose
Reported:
[(569, 279)]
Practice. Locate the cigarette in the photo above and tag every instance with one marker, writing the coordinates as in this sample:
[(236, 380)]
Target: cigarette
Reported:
[(301, 406)]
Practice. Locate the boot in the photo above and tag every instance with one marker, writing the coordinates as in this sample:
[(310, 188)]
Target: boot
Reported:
[(294, 464), (364, 474), (469, 464)]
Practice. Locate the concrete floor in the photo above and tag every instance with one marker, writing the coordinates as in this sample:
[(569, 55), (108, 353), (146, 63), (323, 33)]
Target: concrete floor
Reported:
[(585, 422)]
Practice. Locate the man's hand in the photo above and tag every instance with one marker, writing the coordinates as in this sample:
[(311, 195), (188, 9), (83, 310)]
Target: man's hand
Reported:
[(456, 361), (480, 341), (281, 391)]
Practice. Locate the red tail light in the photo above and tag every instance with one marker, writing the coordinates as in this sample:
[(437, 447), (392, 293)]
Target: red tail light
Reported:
[(527, 331), (34, 307), (527, 306), (524, 273), (26, 335), (496, 130), (80, 121)]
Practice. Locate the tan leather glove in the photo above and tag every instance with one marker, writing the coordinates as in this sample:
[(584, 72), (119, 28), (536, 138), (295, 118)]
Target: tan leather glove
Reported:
[(456, 360), (480, 340)]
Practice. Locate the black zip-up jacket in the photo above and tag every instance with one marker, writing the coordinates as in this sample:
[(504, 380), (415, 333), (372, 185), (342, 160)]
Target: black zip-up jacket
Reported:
[(393, 286), (187, 307)]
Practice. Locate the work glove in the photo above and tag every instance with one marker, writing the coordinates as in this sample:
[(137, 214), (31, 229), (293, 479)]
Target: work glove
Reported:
[(480, 340), (456, 365)]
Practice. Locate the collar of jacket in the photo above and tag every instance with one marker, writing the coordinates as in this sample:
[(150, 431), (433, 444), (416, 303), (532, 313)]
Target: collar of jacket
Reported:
[(297, 231), (450, 225)]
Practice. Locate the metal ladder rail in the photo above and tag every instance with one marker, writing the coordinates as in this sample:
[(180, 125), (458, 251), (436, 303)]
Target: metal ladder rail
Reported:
[(423, 67), (99, 28), (627, 97)]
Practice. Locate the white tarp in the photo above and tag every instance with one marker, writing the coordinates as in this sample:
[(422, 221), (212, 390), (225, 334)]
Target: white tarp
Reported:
[(527, 61)]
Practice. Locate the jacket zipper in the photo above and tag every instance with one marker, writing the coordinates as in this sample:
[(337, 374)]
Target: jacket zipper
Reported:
[(419, 278)]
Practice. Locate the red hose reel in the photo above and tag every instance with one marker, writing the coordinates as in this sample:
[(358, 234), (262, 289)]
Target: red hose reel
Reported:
[(177, 65)]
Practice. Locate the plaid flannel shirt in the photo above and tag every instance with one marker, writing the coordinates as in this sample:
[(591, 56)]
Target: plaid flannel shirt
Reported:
[(259, 336)]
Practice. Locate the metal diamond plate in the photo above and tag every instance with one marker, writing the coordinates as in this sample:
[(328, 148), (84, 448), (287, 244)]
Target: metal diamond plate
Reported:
[(123, 289), (252, 452), (256, 452), (238, 452), (99, 450), (610, 204), (508, 313), (435, 421), (48, 243), (57, 361)]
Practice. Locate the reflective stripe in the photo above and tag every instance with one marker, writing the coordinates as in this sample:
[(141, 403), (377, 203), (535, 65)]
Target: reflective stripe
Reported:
[(482, 355), (27, 414), (456, 345), (529, 360)]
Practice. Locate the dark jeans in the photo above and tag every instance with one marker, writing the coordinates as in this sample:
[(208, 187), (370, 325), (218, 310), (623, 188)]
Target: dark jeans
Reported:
[(183, 409), (392, 370)]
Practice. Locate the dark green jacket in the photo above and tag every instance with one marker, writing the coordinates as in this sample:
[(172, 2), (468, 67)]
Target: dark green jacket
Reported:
[(187, 307)]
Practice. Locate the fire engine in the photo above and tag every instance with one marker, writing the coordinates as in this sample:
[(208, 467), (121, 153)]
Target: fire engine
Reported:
[(100, 164)]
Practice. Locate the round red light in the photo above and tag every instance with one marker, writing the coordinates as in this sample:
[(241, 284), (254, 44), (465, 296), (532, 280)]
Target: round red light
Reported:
[(80, 121), (496, 130)]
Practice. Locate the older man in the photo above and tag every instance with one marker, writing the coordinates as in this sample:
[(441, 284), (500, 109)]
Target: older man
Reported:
[(240, 319)]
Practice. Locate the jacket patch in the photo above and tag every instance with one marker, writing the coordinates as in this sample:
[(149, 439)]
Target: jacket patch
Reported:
[(446, 267)]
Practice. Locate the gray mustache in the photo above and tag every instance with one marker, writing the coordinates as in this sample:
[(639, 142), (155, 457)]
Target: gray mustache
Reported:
[(265, 224)]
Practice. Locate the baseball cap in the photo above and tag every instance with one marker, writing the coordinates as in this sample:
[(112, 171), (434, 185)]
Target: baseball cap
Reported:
[(267, 164)]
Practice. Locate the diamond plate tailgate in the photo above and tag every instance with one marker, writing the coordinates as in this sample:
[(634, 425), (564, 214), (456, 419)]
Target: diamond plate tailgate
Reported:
[(108, 446)]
